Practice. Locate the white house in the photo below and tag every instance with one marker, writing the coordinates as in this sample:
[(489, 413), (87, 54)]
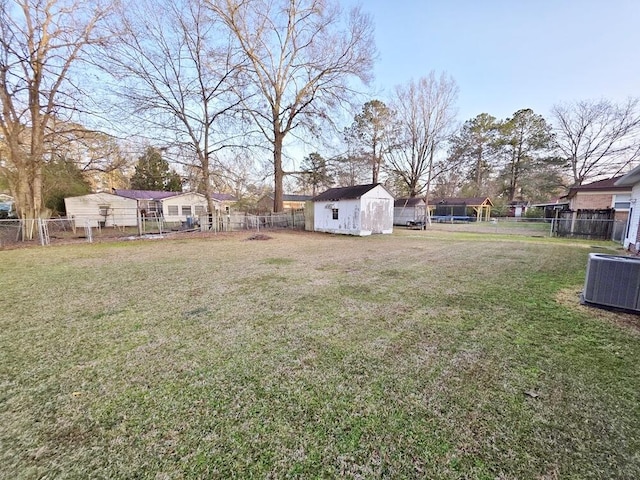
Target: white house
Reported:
[(102, 209), (172, 206), (178, 207), (359, 210), (631, 239), (407, 211)]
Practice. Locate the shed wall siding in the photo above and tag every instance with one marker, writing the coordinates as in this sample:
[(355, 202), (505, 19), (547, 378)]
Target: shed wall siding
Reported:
[(86, 209), (402, 215), (372, 213), (377, 211), (348, 221), (376, 215)]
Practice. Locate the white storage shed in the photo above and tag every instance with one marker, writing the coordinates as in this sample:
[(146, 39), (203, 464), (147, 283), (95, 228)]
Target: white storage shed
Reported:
[(358, 210)]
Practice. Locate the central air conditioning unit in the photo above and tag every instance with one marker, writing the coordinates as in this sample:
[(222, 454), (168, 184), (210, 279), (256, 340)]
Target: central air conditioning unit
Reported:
[(612, 281)]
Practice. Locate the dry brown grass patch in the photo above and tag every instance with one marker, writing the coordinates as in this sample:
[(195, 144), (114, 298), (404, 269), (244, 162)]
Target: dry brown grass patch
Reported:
[(570, 297)]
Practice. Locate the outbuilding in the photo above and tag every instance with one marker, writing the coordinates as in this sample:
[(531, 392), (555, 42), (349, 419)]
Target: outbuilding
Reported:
[(358, 210), (102, 209), (465, 209), (409, 211)]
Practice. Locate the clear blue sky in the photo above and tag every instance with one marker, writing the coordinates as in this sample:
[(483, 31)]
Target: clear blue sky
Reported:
[(511, 54)]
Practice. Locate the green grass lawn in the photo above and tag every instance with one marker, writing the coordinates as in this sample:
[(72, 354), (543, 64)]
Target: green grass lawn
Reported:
[(415, 355)]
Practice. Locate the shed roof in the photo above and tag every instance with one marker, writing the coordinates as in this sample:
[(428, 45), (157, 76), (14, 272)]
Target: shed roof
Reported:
[(408, 202), (468, 201), (345, 193)]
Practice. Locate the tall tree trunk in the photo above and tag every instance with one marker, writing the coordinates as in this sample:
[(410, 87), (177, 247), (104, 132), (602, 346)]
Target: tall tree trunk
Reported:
[(278, 174), (206, 180), (427, 217), (376, 163)]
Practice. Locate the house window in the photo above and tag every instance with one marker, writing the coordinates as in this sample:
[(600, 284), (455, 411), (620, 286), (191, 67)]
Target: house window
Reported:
[(622, 202), (172, 210), (186, 210), (199, 210), (334, 212)]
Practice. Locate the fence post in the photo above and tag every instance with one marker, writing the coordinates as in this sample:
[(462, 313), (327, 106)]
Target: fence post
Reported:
[(88, 232)]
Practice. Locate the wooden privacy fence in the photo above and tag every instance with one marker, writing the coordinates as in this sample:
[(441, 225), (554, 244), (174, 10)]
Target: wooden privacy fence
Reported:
[(590, 224)]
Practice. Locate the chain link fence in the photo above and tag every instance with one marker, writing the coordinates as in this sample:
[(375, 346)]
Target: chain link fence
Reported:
[(16, 233), (535, 227)]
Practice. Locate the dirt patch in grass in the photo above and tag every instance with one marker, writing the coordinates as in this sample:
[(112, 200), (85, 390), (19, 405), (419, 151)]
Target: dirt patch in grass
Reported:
[(570, 297), (259, 236)]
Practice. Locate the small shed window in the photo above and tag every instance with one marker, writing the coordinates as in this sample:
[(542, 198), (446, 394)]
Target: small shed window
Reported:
[(199, 210), (173, 210), (334, 212), (186, 210)]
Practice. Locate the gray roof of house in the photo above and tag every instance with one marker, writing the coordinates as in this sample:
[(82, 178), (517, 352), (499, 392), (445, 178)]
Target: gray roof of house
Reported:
[(291, 198), (296, 198), (223, 197), (408, 202), (344, 193), (161, 195), (145, 194), (606, 184)]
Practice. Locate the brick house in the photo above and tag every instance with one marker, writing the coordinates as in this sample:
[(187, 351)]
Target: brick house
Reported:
[(601, 195)]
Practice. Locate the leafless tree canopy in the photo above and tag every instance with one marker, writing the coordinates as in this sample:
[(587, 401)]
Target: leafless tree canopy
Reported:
[(302, 56), (40, 42), (597, 137), (177, 77), (425, 118)]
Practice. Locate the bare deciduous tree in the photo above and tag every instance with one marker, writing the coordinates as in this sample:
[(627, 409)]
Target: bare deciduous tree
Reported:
[(176, 74), (40, 42), (425, 116), (302, 57), (597, 137)]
